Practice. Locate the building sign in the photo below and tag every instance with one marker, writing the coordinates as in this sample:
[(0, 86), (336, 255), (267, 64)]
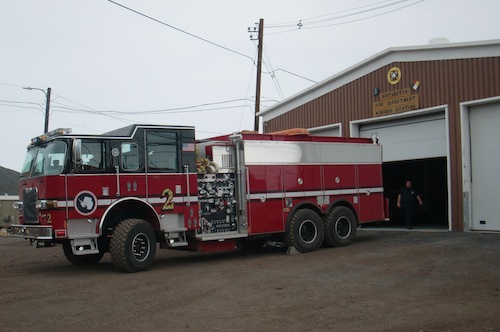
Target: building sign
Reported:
[(394, 75), (397, 101)]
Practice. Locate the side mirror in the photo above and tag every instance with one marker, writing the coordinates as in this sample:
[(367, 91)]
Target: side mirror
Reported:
[(77, 152)]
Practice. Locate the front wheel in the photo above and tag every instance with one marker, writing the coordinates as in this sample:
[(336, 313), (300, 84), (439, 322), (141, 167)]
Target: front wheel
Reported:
[(133, 245), (340, 227), (305, 231)]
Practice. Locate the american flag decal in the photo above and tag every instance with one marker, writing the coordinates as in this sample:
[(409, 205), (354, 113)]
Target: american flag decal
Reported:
[(187, 147)]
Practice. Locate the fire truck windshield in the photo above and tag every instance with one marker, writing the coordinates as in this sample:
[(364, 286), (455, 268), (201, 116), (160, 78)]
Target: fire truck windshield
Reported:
[(43, 160)]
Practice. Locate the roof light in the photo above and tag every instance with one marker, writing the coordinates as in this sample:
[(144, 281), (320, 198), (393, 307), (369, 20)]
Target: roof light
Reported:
[(55, 132)]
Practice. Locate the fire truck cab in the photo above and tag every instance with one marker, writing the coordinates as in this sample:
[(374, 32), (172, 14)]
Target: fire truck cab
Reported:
[(127, 190)]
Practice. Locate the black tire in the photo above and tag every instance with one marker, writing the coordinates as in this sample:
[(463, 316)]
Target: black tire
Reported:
[(305, 231), (340, 227), (133, 246), (83, 259)]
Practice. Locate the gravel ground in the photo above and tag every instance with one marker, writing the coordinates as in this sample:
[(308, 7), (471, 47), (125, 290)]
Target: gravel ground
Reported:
[(385, 281)]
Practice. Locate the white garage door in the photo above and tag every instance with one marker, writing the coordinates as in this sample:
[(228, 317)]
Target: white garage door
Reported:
[(408, 138), (484, 122)]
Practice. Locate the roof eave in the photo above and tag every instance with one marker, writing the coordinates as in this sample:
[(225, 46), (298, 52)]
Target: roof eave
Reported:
[(318, 87)]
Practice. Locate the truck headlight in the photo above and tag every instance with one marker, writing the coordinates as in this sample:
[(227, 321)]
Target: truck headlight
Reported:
[(18, 205), (45, 204)]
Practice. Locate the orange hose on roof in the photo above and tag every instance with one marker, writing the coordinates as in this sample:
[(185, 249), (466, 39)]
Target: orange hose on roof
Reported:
[(293, 131)]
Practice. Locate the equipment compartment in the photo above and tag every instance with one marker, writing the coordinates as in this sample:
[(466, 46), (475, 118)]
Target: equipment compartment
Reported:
[(217, 202)]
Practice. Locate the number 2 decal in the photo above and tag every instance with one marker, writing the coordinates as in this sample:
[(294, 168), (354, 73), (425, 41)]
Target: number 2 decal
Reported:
[(169, 195)]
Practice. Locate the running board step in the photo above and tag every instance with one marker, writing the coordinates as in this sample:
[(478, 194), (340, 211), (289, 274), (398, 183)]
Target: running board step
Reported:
[(84, 246), (174, 237)]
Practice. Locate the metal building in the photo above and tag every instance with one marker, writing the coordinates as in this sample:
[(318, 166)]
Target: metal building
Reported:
[(436, 111), (7, 212)]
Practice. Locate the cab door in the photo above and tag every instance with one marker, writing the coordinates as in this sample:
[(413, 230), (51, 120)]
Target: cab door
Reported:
[(130, 169), (89, 186), (171, 186)]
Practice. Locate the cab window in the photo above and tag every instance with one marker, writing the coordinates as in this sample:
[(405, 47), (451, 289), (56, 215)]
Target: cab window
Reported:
[(162, 152), (93, 155), (130, 157), (48, 159)]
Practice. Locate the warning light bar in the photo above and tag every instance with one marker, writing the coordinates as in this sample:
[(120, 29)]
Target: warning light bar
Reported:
[(52, 133)]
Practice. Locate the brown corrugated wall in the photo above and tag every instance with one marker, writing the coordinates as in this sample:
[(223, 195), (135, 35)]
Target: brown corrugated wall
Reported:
[(443, 82)]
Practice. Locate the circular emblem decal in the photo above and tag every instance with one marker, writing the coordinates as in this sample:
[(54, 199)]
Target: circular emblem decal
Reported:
[(394, 75), (85, 203), (115, 152)]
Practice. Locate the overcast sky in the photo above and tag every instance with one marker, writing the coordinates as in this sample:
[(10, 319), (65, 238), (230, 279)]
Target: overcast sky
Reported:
[(109, 67)]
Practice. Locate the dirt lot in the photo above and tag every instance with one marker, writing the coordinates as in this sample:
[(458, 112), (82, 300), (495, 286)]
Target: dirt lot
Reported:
[(386, 281)]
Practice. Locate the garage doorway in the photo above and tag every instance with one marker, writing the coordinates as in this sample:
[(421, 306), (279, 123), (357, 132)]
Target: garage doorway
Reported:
[(415, 145), (429, 178)]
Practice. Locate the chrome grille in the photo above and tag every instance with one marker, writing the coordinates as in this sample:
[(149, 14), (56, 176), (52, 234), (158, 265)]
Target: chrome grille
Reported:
[(30, 196)]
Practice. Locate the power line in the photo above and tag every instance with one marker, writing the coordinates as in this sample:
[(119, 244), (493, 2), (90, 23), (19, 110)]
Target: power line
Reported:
[(193, 35), (25, 107), (308, 20), (74, 125), (57, 106), (365, 18), (71, 110), (182, 31), (288, 72), (64, 108), (269, 67), (356, 13), (17, 104), (307, 23), (351, 9), (86, 109), (186, 109), (166, 110), (13, 85), (248, 91)]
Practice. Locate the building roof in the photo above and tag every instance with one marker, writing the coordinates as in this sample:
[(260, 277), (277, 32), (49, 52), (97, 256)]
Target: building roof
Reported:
[(431, 52), (9, 198)]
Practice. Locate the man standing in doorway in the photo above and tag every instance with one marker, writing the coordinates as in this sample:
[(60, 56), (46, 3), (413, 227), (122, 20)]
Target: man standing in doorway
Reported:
[(408, 198)]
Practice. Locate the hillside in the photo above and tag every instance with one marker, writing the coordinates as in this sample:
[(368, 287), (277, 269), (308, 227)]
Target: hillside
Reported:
[(8, 181)]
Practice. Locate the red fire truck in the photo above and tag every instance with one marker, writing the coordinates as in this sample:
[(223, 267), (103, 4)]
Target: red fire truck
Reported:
[(127, 190)]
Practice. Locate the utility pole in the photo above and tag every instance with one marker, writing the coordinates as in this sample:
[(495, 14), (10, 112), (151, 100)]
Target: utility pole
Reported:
[(47, 111), (47, 105), (259, 69)]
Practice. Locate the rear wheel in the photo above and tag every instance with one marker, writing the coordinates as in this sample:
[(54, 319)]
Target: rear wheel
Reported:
[(340, 227), (133, 245), (305, 231), (80, 259)]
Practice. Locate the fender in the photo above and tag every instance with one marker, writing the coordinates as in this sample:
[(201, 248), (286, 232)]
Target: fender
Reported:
[(148, 213), (342, 202), (307, 205)]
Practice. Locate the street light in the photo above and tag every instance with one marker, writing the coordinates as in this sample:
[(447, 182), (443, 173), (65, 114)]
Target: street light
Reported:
[(47, 105)]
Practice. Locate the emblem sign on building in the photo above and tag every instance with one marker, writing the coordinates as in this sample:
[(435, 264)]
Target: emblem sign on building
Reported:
[(396, 101)]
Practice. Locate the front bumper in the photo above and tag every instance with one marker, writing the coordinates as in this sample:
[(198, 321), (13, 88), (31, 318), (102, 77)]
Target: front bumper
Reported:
[(35, 232)]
